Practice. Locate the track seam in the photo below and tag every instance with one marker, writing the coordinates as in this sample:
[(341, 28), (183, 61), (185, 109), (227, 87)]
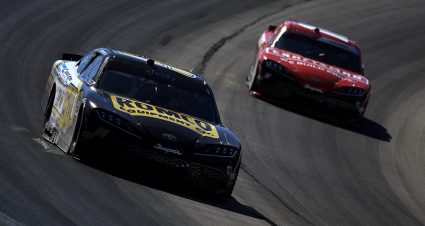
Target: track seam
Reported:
[(220, 43)]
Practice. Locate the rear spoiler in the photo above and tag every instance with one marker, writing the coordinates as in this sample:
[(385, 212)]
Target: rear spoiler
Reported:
[(71, 57)]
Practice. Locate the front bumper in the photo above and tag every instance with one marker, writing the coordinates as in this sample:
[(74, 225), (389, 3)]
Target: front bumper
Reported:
[(211, 173), (279, 86)]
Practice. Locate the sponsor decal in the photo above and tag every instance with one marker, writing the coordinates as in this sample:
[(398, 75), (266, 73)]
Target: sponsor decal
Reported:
[(136, 108), (167, 150), (60, 98), (67, 103), (63, 74), (180, 71), (183, 72), (297, 60), (67, 91)]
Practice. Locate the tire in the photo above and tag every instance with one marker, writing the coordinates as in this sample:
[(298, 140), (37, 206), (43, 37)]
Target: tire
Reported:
[(48, 112), (76, 148), (49, 105), (254, 87)]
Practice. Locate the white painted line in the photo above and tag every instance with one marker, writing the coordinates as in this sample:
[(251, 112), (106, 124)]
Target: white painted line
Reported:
[(19, 129)]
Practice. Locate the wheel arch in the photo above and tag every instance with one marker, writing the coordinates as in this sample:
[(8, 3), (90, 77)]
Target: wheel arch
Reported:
[(50, 102)]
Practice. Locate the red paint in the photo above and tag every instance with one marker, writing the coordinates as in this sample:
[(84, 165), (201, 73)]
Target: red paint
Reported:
[(306, 70)]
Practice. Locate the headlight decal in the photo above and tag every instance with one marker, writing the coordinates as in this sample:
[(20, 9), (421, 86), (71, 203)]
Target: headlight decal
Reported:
[(278, 68), (354, 91), (218, 151), (115, 120)]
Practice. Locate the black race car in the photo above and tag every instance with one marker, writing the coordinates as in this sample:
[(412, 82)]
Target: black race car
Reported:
[(110, 99)]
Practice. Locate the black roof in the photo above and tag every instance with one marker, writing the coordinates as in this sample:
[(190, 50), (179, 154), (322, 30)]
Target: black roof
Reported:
[(182, 75)]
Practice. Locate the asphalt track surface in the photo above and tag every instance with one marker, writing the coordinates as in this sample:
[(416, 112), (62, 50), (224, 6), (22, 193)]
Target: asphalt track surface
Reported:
[(298, 168)]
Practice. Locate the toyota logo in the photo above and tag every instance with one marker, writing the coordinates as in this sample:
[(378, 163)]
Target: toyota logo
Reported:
[(169, 137)]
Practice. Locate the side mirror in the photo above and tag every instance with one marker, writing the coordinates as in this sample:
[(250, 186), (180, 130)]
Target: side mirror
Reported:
[(71, 57), (271, 28)]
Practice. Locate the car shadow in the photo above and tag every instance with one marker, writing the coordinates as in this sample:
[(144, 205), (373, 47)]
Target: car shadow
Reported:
[(166, 179), (363, 126)]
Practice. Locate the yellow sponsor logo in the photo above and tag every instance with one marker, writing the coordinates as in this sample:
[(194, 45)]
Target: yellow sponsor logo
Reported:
[(68, 104), (136, 108)]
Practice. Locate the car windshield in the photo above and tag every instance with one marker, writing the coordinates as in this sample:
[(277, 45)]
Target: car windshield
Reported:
[(323, 50), (160, 86)]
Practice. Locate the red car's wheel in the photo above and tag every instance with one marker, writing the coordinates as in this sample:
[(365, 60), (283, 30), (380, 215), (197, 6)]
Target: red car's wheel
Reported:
[(254, 86)]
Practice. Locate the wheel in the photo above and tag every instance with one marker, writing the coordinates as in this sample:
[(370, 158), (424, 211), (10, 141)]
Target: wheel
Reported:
[(254, 86), (76, 147), (47, 130), (49, 106)]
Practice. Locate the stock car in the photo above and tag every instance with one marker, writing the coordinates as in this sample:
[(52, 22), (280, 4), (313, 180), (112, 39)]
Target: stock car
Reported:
[(297, 60), (112, 100)]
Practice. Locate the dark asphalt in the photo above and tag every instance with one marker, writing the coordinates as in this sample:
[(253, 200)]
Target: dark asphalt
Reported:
[(298, 168)]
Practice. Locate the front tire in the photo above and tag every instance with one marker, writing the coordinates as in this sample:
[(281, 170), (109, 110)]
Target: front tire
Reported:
[(76, 148), (254, 86), (47, 131)]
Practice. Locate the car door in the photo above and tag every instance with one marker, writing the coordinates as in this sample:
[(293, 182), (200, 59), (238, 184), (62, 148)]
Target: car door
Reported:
[(70, 78), (85, 73)]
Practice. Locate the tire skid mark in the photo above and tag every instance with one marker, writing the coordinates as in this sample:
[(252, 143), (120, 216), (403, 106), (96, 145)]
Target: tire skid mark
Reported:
[(220, 43)]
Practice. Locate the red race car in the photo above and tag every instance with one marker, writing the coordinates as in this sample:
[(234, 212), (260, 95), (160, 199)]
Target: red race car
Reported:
[(299, 60)]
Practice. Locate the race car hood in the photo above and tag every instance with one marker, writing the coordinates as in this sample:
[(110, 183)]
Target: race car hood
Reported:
[(167, 129), (313, 74)]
